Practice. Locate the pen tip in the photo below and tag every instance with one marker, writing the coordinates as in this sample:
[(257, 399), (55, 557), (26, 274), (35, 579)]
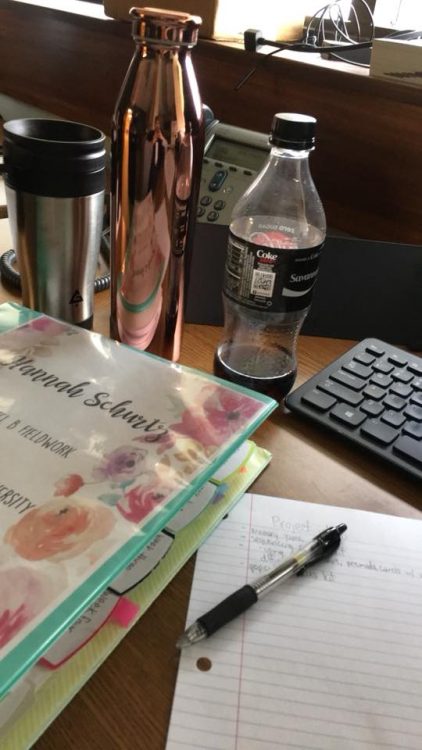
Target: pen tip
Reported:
[(182, 642), (196, 632), (341, 528)]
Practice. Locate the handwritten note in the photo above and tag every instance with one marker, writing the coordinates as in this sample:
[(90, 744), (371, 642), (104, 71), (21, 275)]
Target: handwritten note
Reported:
[(331, 660)]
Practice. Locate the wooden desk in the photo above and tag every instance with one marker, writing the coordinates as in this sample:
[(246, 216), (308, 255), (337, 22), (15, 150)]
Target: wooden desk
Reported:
[(126, 704)]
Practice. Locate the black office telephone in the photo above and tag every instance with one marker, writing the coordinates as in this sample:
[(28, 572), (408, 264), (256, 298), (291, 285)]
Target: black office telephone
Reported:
[(232, 158)]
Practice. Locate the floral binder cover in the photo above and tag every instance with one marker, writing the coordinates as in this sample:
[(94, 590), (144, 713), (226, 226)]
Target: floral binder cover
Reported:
[(37, 698), (101, 446)]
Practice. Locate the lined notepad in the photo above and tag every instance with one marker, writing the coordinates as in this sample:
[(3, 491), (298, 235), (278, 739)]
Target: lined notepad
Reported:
[(331, 660)]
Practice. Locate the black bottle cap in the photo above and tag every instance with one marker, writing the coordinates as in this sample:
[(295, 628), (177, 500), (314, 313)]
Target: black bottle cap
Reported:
[(292, 130)]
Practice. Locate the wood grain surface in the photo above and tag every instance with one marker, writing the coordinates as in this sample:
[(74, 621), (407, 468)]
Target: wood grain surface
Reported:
[(126, 705)]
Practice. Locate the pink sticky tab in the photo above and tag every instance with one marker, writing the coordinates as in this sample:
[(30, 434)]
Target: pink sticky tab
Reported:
[(124, 612)]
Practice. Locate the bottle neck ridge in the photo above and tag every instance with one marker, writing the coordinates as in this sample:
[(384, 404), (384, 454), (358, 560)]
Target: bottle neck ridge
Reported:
[(289, 153)]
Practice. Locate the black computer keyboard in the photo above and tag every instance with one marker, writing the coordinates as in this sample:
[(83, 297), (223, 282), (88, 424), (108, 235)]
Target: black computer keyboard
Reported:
[(372, 395)]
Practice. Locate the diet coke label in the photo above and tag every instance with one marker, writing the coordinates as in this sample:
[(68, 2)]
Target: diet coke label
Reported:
[(269, 272)]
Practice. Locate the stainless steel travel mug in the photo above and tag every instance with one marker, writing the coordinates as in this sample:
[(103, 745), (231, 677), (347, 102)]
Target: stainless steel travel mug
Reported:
[(55, 177)]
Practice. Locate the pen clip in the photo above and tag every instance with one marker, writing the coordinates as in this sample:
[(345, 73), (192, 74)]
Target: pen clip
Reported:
[(328, 542)]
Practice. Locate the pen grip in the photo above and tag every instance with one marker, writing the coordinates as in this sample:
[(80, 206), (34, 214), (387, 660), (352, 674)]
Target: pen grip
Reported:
[(228, 609)]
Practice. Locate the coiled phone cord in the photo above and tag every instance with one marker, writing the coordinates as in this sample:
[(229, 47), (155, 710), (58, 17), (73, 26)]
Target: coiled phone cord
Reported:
[(9, 273)]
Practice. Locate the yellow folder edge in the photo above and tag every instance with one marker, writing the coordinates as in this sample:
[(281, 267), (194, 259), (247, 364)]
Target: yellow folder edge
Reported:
[(41, 705)]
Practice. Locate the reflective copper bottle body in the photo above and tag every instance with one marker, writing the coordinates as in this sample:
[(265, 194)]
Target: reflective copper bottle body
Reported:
[(157, 148)]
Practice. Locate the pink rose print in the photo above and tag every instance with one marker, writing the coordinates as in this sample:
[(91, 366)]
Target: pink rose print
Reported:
[(223, 413), (47, 325), (196, 425), (232, 412), (139, 502), (68, 485), (120, 465), (23, 594), (11, 621), (60, 529)]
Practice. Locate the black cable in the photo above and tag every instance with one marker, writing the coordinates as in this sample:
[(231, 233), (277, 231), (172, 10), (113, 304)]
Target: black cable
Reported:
[(10, 274), (253, 70), (350, 62), (304, 47), (300, 47), (319, 45)]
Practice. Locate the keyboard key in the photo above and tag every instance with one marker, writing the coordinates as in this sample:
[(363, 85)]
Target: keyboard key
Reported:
[(400, 389), (352, 381), (393, 418), (341, 392), (415, 367), (376, 430), (347, 415), (356, 368), (375, 350), (394, 402), (383, 366), (404, 376), (417, 384), (374, 392), (319, 400), (409, 448), (373, 408), (364, 358), (414, 429), (398, 360), (413, 412), (416, 398), (379, 378)]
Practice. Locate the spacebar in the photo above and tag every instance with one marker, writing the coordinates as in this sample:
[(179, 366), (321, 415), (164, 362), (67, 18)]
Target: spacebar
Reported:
[(409, 448)]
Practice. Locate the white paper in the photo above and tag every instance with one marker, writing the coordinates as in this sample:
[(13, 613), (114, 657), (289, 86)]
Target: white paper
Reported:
[(331, 660)]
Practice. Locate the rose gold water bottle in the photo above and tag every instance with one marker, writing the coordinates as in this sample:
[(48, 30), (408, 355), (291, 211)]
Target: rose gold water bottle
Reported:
[(157, 149)]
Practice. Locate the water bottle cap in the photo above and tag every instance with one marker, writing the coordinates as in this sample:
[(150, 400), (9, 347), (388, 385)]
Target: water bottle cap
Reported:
[(292, 130), (164, 28)]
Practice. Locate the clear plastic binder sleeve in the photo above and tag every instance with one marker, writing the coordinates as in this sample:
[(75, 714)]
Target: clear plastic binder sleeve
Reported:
[(101, 446)]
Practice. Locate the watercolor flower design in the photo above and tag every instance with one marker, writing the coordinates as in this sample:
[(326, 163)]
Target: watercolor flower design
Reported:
[(222, 414), (22, 338), (44, 324), (140, 501), (120, 465), (23, 594), (118, 469), (60, 529), (68, 485), (135, 491)]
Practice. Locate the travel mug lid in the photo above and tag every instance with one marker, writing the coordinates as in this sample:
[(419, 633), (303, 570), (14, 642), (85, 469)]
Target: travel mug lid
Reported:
[(293, 130), (56, 158), (164, 28)]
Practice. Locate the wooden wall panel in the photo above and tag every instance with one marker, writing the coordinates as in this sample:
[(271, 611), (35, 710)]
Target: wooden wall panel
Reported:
[(368, 160)]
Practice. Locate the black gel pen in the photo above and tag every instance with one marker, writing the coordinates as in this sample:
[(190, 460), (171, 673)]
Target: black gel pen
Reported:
[(319, 548)]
